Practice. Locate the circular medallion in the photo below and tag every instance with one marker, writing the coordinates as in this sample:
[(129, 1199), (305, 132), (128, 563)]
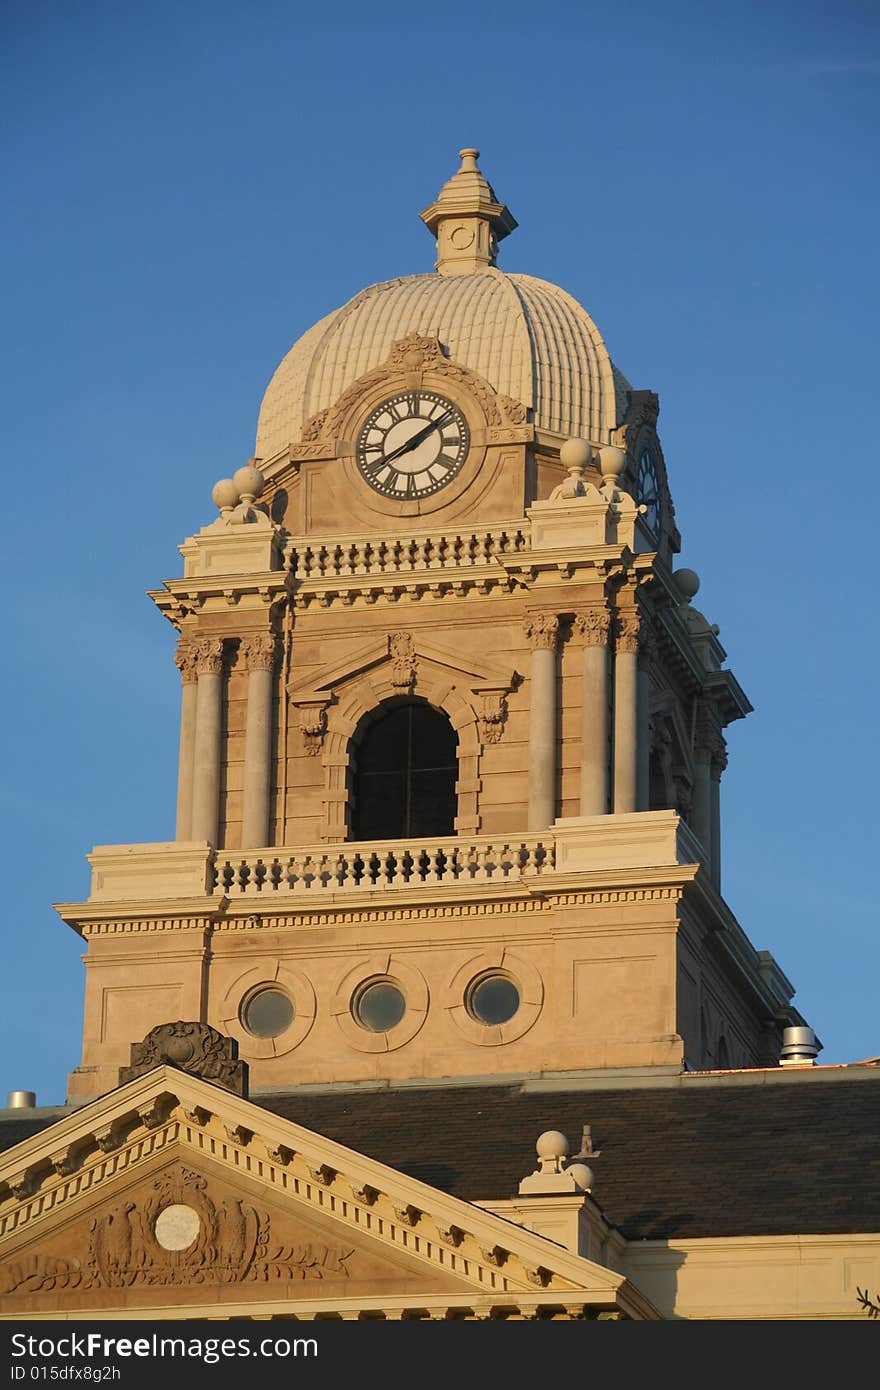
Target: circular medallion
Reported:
[(412, 444), (177, 1227)]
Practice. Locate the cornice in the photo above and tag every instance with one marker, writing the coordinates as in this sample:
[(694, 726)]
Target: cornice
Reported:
[(168, 1110)]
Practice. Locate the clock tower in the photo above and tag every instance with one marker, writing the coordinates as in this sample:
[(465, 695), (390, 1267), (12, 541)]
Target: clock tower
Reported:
[(452, 729)]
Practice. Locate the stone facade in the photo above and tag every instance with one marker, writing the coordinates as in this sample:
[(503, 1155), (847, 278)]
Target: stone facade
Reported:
[(459, 506)]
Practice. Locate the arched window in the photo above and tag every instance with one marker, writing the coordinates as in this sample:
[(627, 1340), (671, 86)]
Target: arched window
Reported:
[(405, 772)]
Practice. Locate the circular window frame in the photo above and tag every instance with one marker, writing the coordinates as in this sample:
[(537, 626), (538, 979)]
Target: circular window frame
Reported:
[(268, 976), (361, 993), (522, 973), (369, 970), (483, 978), (247, 999)]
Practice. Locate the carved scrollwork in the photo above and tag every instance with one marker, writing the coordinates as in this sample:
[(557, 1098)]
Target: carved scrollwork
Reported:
[(184, 660), (366, 1194), (451, 1235), (404, 662), (312, 726), (493, 713), (258, 651), (314, 426), (493, 1255), (542, 631), (593, 625), (415, 352), (193, 1047), (323, 1174), (280, 1154), (627, 628), (408, 1215), (208, 656)]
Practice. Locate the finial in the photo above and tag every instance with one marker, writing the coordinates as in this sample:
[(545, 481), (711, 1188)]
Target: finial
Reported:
[(687, 582), (467, 219), (224, 495), (249, 481)]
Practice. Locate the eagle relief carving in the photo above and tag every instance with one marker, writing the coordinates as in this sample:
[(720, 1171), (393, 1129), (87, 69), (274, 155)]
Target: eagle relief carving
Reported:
[(177, 1234)]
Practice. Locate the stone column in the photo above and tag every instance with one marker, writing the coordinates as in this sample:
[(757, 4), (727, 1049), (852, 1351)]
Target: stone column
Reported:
[(646, 654), (716, 767), (208, 657), (626, 712), (705, 741), (594, 625), (258, 654), (183, 660), (542, 630)]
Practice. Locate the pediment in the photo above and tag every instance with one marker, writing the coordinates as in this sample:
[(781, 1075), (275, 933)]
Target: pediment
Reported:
[(172, 1192), (474, 674)]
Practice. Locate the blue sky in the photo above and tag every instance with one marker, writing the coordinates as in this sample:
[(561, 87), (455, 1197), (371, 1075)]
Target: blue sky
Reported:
[(190, 186)]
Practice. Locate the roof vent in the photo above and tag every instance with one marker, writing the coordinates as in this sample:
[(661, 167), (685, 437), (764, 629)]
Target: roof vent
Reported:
[(21, 1100), (799, 1048)]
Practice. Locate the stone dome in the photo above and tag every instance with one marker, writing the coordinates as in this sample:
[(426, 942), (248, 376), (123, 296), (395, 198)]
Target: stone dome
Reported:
[(528, 338)]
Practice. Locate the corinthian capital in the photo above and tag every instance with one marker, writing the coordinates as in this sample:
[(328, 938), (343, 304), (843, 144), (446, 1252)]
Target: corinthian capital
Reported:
[(542, 630), (628, 626), (208, 656), (593, 624), (257, 652), (184, 660)]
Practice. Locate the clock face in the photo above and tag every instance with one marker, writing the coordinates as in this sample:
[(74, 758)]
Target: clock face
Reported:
[(648, 489), (412, 444)]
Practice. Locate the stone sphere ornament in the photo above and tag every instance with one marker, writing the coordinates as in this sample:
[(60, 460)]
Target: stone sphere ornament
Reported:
[(687, 582), (224, 494), (575, 454), (612, 461), (249, 481), (552, 1144)]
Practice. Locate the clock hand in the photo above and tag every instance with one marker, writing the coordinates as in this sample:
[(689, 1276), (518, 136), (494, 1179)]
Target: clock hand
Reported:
[(418, 438)]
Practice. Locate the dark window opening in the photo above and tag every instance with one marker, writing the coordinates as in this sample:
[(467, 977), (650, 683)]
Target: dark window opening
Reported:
[(406, 769)]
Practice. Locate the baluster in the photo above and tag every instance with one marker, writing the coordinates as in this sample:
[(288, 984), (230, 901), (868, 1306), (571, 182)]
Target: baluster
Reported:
[(480, 872), (430, 875), (259, 875), (275, 874)]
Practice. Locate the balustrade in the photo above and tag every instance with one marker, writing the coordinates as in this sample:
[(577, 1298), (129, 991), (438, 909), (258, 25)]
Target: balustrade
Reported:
[(362, 867)]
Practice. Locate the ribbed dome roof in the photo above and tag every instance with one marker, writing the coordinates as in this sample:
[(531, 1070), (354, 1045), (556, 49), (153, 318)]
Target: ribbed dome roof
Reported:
[(528, 338)]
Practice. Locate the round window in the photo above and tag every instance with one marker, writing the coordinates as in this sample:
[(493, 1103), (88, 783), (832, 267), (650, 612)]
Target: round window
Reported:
[(492, 999), (380, 1005), (267, 1012)]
